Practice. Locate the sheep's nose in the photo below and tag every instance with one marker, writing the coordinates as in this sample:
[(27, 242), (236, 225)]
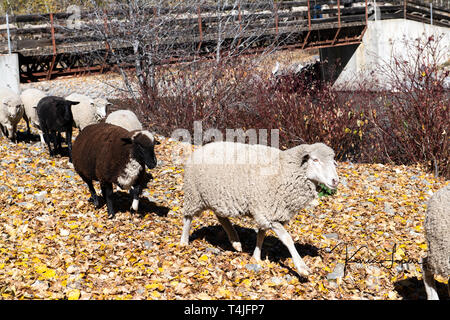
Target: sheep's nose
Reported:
[(334, 182)]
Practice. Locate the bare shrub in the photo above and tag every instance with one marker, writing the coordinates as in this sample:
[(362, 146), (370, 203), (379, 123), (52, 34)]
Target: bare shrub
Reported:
[(412, 123)]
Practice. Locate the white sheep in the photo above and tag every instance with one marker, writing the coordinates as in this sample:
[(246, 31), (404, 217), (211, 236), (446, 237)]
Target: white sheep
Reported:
[(88, 111), (30, 99), (125, 119), (11, 111), (270, 185), (102, 106), (437, 234)]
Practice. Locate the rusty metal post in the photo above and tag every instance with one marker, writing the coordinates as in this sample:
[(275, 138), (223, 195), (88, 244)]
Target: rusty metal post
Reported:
[(309, 26), (275, 9), (240, 23), (404, 9), (339, 23), (53, 33), (309, 16), (199, 14), (52, 64), (367, 13), (431, 13), (107, 46), (339, 12)]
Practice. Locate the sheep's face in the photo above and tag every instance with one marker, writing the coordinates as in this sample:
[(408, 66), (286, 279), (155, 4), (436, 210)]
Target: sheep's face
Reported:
[(101, 107), (144, 148), (100, 112), (13, 106), (321, 166)]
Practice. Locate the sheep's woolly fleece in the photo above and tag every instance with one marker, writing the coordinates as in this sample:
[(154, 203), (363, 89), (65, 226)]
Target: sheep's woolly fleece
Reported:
[(54, 244), (437, 230)]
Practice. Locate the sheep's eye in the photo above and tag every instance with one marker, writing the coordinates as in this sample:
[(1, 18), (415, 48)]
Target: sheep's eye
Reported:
[(316, 160)]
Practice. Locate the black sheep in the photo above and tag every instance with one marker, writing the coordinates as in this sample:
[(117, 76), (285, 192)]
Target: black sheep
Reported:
[(55, 116), (110, 154)]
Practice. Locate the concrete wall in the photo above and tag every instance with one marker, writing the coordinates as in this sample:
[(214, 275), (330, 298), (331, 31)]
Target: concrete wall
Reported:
[(334, 60), (9, 71), (383, 40)]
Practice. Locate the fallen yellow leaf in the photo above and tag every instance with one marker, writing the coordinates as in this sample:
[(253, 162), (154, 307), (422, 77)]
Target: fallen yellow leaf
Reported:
[(74, 294)]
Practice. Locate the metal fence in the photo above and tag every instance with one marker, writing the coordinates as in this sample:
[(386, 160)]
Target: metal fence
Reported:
[(49, 46)]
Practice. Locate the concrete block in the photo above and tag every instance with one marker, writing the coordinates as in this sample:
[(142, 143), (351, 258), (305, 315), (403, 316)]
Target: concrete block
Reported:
[(383, 40), (9, 72)]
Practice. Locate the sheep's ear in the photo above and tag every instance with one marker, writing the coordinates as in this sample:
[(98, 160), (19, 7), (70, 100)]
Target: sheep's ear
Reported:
[(6, 102), (305, 158), (127, 140), (73, 102), (303, 155)]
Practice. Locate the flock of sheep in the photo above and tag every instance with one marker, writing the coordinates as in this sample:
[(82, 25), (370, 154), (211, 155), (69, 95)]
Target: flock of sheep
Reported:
[(231, 179)]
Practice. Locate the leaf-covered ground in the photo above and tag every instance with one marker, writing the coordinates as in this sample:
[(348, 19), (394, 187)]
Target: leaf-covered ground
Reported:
[(55, 245)]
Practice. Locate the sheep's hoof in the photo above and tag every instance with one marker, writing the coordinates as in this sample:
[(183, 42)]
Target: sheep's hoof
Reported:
[(184, 243), (257, 257), (304, 272), (237, 246), (135, 205), (95, 202)]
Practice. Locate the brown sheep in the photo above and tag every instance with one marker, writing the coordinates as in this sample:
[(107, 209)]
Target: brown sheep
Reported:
[(110, 154)]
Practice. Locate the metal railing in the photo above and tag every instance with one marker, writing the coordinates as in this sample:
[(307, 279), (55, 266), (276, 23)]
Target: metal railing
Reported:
[(40, 39)]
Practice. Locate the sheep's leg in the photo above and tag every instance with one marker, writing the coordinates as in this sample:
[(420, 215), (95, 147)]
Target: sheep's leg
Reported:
[(448, 286), (3, 130), (41, 136), (231, 233), (51, 137), (430, 286), (94, 198), (428, 281), (28, 124), (6, 131), (10, 132), (259, 242), (45, 137), (13, 130), (135, 193), (284, 236), (57, 143), (69, 142), (107, 191), (187, 221)]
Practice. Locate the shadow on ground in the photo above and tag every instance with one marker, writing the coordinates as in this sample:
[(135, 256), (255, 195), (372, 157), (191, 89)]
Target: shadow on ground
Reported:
[(122, 203), (273, 249), (414, 289), (23, 136), (123, 200)]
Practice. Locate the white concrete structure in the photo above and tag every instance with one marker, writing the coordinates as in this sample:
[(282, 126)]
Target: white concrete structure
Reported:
[(383, 40), (9, 72)]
